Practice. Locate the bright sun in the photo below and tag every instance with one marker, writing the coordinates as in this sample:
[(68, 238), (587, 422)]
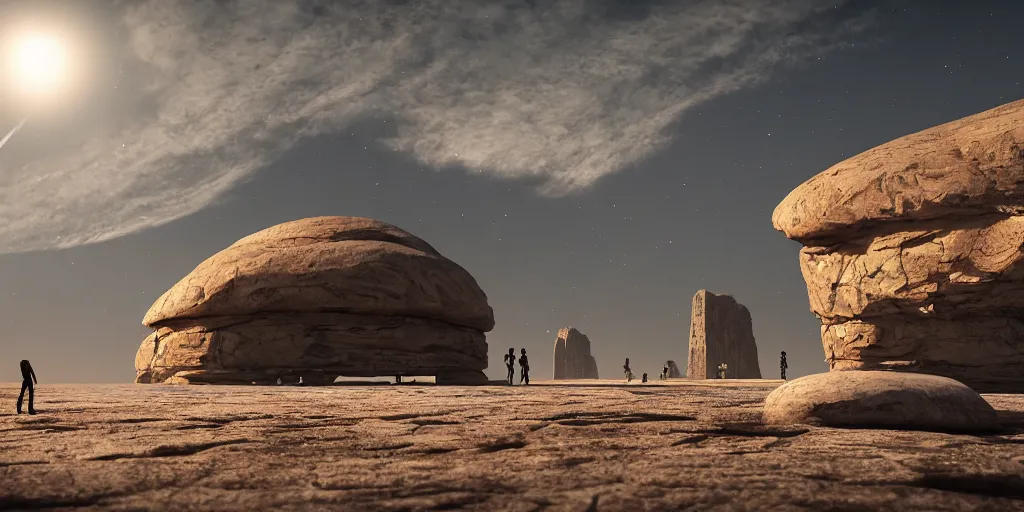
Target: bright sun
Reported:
[(39, 63)]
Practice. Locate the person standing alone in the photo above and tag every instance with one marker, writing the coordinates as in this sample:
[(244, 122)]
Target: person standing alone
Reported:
[(29, 381), (783, 365)]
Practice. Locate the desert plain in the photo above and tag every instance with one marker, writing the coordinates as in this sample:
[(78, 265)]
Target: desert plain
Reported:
[(570, 445)]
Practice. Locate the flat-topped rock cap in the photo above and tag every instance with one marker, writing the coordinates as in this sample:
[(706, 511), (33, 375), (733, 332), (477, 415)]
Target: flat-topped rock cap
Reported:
[(880, 399), (967, 167), (328, 264)]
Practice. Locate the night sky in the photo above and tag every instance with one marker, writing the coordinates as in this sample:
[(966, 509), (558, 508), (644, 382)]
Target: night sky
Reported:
[(592, 163)]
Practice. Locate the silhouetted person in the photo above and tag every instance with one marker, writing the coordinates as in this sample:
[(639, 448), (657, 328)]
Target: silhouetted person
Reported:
[(510, 363), (29, 380), (524, 368), (644, 380), (664, 372), (628, 371), (398, 379), (783, 365)]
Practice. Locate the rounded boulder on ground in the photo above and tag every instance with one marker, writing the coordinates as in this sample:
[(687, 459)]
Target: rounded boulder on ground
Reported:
[(880, 399)]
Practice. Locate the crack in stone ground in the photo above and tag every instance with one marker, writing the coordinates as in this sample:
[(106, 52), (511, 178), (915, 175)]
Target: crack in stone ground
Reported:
[(502, 444), (224, 420), (46, 427), (690, 440), (285, 427), (583, 419), (996, 486), (23, 463), (411, 416), (992, 486), (398, 446), (572, 462), (48, 503), (423, 423), (750, 431), (420, 423), (135, 420), (200, 426), (434, 451), (170, 450)]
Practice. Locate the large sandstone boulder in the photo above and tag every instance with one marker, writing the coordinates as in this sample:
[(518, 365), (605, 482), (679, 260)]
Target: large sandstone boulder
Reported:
[(318, 298), (573, 359), (912, 252), (880, 399), (721, 331)]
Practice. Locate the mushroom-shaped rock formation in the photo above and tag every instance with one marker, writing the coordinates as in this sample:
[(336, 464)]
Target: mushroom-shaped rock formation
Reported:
[(318, 298), (913, 249), (880, 399)]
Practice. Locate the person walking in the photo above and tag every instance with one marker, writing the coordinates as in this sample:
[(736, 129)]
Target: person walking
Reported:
[(524, 368), (28, 376), (783, 365), (510, 363)]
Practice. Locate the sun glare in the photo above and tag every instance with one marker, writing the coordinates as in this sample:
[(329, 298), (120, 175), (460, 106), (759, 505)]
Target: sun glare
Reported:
[(39, 63)]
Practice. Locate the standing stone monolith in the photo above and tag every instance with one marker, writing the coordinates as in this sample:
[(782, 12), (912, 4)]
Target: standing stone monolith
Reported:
[(721, 332), (914, 252), (573, 359)]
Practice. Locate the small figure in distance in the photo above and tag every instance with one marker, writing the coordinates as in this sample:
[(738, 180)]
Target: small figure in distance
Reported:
[(524, 368), (644, 380), (783, 365), (29, 381), (510, 363), (664, 372), (398, 379), (721, 370), (628, 371)]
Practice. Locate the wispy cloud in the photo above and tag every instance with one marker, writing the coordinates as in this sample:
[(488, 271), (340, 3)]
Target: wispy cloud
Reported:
[(564, 92)]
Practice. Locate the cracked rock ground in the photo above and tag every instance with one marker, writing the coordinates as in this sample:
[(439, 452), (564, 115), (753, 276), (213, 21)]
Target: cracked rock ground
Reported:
[(674, 445)]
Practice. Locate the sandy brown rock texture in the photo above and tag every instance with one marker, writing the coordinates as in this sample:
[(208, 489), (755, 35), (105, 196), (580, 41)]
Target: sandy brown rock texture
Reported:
[(573, 359), (895, 400), (721, 332), (912, 252), (668, 445), (318, 298)]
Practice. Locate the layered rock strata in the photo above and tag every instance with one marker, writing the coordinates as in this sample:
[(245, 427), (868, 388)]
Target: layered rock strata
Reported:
[(721, 331), (573, 359), (912, 252), (316, 299)]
